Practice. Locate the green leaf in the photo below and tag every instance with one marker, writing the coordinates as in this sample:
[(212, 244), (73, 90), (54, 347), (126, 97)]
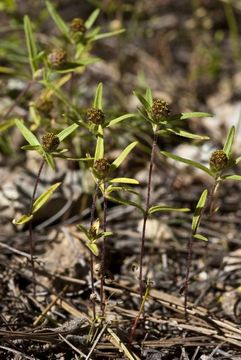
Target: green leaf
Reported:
[(238, 160), (232, 177), (125, 188), (62, 26), (83, 229), (27, 134), (124, 181), (149, 97), (159, 208), (99, 150), (43, 198), (125, 202), (98, 97), (66, 132), (123, 155), (50, 160), (186, 134), (91, 19), (229, 142), (32, 50), (187, 161), (108, 34), (7, 124), (32, 147), (23, 219), (191, 115), (198, 211), (120, 118), (93, 248), (143, 101), (200, 237)]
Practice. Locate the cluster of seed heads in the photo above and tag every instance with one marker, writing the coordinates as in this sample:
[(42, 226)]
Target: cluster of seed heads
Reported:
[(77, 25), (218, 160), (57, 57), (160, 109), (101, 168), (95, 116), (50, 141)]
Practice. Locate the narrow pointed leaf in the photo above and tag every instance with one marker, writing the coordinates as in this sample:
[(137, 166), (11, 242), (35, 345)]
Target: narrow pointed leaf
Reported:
[(108, 34), (91, 19), (83, 229), (66, 132), (124, 154), (124, 188), (149, 97), (188, 162), (125, 202), (186, 134), (62, 26), (32, 147), (124, 181), (191, 115), (93, 248), (23, 219), (200, 237), (229, 142), (7, 124), (238, 160), (98, 97), (50, 160), (99, 150), (232, 177), (43, 198), (198, 211), (120, 118), (159, 208), (143, 101), (31, 46), (27, 134)]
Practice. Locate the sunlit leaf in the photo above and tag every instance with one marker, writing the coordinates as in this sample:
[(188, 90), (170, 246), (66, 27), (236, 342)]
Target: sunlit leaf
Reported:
[(91, 19), (124, 181), (191, 115), (83, 229), (232, 177), (32, 147), (124, 154), (66, 132), (7, 124), (43, 198), (238, 160), (159, 208), (32, 49), (186, 134), (98, 97), (198, 211), (93, 248), (149, 97), (27, 134), (108, 34), (200, 237), (229, 142), (50, 160), (23, 219), (99, 150), (120, 118), (188, 162), (62, 26)]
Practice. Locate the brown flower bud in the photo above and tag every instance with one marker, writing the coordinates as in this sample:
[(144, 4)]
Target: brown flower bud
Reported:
[(101, 168), (218, 160), (44, 104), (57, 57), (95, 116), (160, 109), (50, 141), (77, 25)]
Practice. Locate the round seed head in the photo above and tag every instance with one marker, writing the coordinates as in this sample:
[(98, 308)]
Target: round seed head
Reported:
[(159, 109), (218, 160), (57, 57), (44, 105), (50, 141), (95, 116), (77, 25), (101, 168)]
